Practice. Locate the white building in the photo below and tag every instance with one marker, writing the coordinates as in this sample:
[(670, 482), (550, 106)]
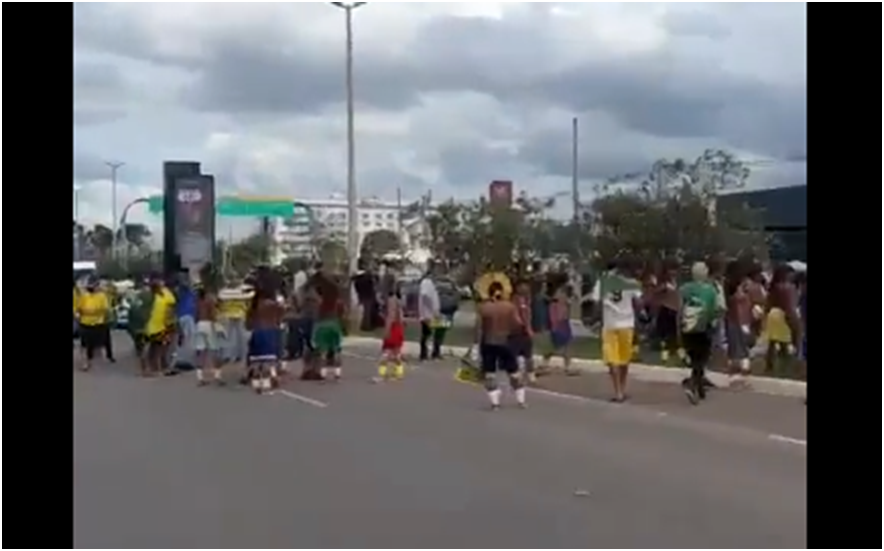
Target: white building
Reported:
[(297, 237)]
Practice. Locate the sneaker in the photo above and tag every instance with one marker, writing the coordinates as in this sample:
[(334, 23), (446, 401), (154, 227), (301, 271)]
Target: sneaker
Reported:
[(691, 393)]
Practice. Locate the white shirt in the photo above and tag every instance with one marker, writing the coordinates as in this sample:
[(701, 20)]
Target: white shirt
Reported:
[(428, 300), (299, 281), (618, 310)]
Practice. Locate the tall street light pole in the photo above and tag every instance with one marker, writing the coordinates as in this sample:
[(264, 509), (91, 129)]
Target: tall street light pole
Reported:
[(352, 214), (114, 167), (575, 169)]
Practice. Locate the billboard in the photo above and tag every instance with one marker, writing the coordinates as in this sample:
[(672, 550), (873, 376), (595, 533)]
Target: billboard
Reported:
[(194, 208), (500, 192)]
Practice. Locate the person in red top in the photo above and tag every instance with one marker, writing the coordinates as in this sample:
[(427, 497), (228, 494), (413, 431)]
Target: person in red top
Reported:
[(391, 348), (522, 340)]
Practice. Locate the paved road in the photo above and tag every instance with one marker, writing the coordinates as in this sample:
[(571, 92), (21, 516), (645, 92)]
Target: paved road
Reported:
[(418, 464)]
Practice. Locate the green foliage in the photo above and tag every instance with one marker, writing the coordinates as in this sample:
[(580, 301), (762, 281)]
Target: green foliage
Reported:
[(379, 243), (250, 252), (670, 212)]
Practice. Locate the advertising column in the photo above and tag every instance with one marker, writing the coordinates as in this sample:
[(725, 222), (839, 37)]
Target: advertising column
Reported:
[(195, 222)]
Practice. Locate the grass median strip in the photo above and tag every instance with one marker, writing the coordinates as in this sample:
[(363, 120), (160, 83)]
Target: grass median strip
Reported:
[(588, 348)]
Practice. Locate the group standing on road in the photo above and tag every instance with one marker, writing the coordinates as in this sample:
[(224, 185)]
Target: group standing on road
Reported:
[(715, 311)]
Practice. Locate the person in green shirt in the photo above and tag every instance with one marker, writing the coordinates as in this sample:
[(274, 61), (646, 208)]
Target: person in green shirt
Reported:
[(700, 310), (140, 306)]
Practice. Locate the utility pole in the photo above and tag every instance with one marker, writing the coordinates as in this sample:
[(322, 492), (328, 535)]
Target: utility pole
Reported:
[(399, 224), (352, 210), (575, 169), (114, 167)]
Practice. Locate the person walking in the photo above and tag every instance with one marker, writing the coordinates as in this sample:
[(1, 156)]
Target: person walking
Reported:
[(699, 312)]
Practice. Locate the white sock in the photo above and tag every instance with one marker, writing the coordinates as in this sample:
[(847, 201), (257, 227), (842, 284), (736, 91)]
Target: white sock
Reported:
[(274, 373), (323, 372), (256, 383), (266, 384), (338, 372), (217, 372), (520, 395), (199, 375), (494, 396)]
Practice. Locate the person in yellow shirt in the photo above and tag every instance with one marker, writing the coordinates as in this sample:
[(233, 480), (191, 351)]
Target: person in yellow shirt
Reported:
[(93, 309), (76, 303), (160, 327), (234, 308)]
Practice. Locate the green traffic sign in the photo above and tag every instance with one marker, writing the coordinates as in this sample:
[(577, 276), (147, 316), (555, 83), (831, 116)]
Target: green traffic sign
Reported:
[(255, 208), (243, 207), (155, 204)]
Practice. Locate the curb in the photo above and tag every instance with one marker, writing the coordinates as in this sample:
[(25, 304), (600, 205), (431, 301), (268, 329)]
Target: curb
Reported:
[(640, 372)]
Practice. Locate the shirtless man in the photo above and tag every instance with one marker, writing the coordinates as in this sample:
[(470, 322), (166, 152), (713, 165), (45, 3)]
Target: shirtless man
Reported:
[(328, 329), (496, 322), (206, 338), (394, 339), (265, 344)]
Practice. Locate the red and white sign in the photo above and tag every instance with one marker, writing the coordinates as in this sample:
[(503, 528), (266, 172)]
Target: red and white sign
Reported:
[(500, 192)]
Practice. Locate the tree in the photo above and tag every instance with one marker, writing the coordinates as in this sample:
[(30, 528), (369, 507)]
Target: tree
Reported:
[(447, 235), (379, 243), (669, 212), (100, 238), (135, 235), (332, 253), (248, 253)]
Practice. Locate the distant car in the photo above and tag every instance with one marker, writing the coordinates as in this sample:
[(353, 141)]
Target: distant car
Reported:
[(121, 314)]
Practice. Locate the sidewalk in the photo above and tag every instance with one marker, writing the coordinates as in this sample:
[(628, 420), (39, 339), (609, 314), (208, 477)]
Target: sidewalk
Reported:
[(638, 372)]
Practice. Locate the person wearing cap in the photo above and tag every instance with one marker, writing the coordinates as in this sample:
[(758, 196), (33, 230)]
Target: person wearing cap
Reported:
[(700, 310)]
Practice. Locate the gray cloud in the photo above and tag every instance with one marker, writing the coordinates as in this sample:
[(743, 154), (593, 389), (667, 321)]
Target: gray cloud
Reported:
[(473, 98)]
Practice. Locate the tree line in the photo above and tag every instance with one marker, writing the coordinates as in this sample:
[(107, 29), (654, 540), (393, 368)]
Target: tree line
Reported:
[(664, 213)]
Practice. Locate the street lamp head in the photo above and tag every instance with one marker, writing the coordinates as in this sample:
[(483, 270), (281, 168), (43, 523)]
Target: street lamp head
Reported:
[(348, 5)]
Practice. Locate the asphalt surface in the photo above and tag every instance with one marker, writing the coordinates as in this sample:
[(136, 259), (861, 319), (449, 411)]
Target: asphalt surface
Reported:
[(419, 464)]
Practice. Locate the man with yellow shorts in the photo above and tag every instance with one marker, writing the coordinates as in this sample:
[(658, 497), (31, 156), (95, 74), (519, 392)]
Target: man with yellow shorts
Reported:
[(619, 295)]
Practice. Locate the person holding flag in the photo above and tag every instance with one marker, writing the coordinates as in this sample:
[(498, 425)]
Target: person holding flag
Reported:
[(620, 295)]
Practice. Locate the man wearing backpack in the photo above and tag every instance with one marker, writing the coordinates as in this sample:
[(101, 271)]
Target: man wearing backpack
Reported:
[(700, 310)]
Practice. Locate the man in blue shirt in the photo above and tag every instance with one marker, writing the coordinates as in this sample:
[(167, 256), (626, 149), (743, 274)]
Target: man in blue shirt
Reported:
[(185, 311)]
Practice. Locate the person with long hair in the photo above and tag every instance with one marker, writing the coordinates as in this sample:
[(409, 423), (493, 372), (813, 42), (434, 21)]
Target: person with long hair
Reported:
[(394, 339), (782, 326), (264, 320), (667, 304), (738, 321), (328, 329)]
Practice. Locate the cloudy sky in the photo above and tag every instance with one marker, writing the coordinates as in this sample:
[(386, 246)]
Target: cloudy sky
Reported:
[(449, 96)]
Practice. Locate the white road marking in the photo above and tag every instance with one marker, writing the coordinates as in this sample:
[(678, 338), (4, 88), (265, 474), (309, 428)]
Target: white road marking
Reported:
[(787, 440), (301, 398), (576, 399)]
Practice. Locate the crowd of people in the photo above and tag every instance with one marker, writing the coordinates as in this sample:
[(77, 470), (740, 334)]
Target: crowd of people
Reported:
[(719, 313), (721, 310)]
